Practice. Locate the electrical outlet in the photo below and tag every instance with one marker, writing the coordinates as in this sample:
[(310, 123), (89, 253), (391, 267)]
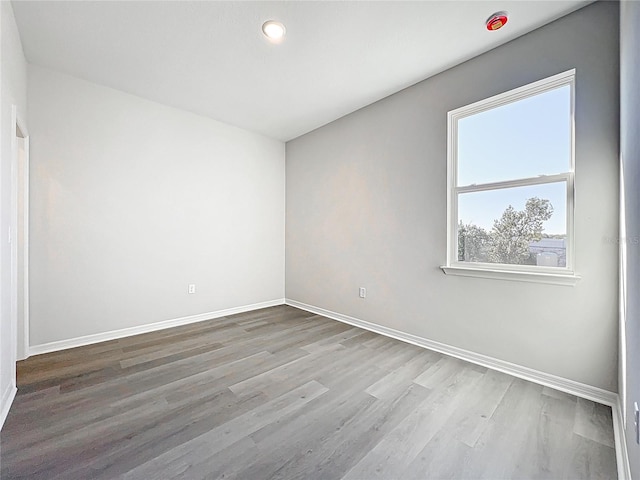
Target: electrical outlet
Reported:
[(636, 421), (363, 292), (192, 288)]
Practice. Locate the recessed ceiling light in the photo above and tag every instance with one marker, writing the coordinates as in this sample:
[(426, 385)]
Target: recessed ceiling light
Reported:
[(273, 30)]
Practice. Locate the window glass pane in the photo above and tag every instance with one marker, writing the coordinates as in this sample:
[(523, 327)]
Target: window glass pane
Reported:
[(523, 139), (520, 225)]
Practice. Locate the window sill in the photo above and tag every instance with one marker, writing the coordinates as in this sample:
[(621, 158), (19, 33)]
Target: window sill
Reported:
[(567, 279)]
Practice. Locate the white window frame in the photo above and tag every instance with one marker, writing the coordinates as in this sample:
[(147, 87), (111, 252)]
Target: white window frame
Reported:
[(554, 275)]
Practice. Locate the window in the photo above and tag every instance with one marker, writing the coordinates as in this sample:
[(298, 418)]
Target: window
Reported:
[(511, 184)]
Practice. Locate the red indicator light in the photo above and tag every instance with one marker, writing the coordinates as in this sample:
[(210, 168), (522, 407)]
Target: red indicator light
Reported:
[(497, 21)]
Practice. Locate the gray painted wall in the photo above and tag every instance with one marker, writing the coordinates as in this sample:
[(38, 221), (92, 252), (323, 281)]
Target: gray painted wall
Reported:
[(13, 91), (366, 206), (630, 237), (131, 201)]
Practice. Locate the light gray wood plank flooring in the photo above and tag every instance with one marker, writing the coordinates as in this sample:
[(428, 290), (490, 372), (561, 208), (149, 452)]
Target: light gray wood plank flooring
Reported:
[(280, 393)]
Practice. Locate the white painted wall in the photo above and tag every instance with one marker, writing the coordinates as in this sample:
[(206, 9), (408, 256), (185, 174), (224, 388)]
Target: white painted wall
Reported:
[(366, 207), (13, 91), (630, 228), (131, 201)]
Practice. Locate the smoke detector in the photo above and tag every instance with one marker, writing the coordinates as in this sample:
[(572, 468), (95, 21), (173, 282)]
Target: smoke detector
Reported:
[(497, 21)]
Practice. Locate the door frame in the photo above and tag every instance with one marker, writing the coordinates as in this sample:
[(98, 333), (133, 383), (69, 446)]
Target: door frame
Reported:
[(19, 130)]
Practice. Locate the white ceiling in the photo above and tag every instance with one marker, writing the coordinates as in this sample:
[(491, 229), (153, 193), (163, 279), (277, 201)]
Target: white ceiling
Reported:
[(211, 57)]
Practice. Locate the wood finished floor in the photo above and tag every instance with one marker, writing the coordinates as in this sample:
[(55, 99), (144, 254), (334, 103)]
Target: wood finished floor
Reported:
[(280, 393)]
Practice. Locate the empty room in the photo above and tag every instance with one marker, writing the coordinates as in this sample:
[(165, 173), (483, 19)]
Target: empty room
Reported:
[(320, 239)]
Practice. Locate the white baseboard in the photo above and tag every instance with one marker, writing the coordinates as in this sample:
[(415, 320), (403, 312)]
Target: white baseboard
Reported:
[(563, 384), (622, 455), (7, 400), (572, 387), (150, 327)]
